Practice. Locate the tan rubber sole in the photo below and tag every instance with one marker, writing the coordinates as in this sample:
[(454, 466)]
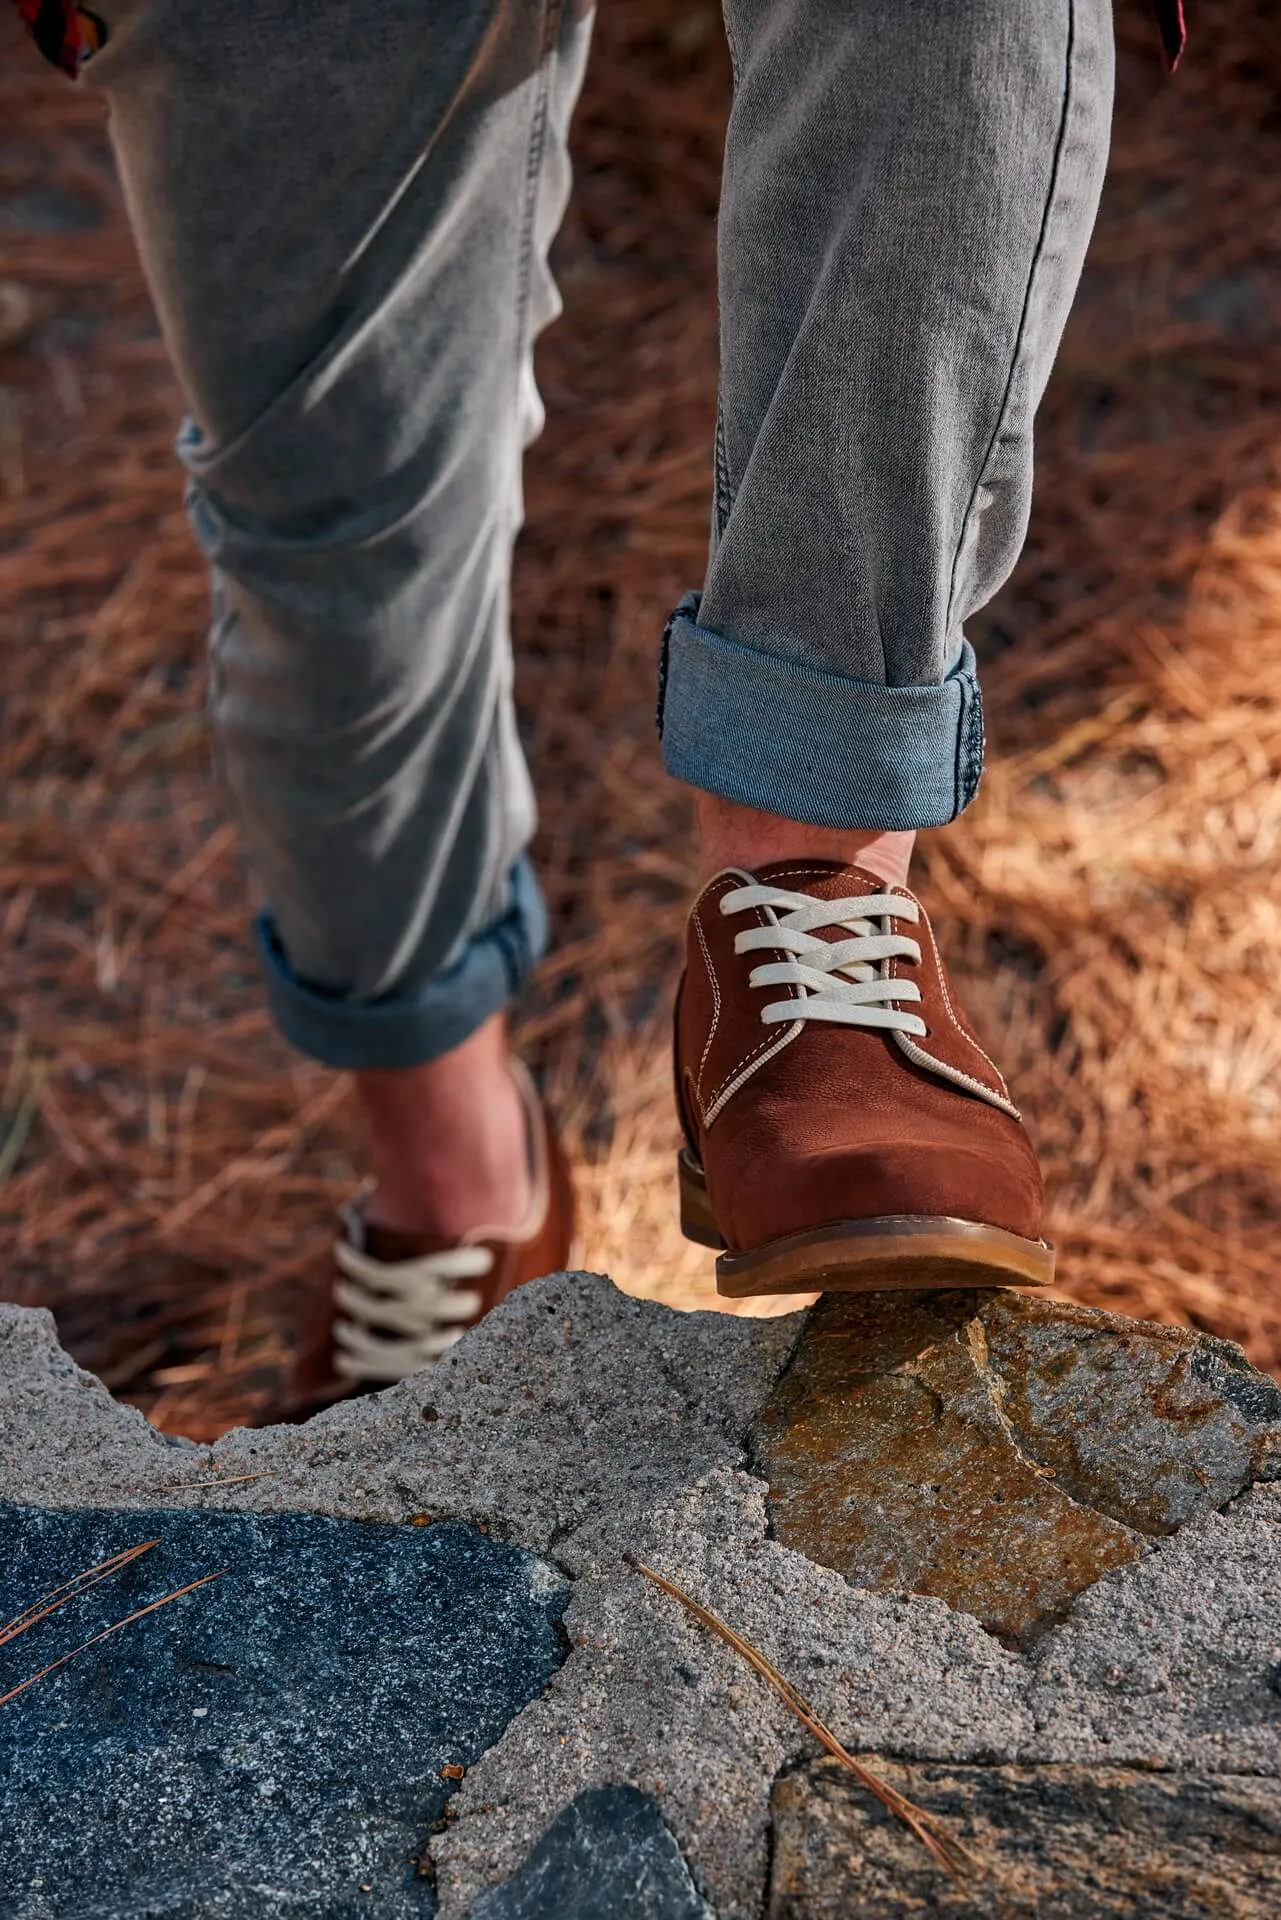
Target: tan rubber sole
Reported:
[(906, 1252)]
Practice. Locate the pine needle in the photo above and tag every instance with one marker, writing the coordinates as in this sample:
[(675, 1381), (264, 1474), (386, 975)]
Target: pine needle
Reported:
[(71, 1590), (22, 1121), (205, 1486), (107, 1632), (942, 1845)]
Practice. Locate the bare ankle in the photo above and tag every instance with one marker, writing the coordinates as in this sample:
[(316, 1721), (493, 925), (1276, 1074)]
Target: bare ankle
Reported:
[(734, 836), (447, 1141)]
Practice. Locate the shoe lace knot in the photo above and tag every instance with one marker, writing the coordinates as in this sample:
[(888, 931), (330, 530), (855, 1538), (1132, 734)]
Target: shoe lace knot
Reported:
[(394, 1317), (846, 981)]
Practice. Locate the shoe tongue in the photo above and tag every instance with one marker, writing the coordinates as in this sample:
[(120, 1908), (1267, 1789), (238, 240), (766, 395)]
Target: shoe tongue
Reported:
[(825, 879), (389, 1245)]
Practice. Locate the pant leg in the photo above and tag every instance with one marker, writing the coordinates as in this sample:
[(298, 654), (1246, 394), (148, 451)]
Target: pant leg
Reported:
[(908, 193), (344, 213)]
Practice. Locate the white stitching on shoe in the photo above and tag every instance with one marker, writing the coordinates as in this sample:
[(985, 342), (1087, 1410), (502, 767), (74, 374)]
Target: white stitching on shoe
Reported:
[(933, 1064), (967, 1038), (716, 1003), (744, 1068)]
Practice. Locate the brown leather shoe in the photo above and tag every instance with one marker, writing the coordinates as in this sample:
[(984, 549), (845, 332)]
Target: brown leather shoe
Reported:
[(396, 1302), (845, 1131)]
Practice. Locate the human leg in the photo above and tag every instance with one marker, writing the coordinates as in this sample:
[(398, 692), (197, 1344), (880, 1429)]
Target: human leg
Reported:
[(346, 236), (730, 835), (908, 195)]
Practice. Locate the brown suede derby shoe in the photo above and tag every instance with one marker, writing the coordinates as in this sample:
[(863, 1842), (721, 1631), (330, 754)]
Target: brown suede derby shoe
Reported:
[(396, 1302), (844, 1129)]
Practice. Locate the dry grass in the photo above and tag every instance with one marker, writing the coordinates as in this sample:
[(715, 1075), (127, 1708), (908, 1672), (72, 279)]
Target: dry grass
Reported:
[(1112, 902)]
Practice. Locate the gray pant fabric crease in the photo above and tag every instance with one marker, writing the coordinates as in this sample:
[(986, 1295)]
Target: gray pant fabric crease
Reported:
[(346, 231)]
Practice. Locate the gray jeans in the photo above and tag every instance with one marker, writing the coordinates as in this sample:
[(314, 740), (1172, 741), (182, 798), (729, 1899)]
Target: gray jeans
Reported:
[(345, 212)]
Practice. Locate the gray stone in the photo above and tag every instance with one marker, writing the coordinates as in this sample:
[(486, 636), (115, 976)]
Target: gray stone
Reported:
[(1171, 1662), (63, 1440), (271, 1743), (1051, 1843), (560, 1421), (650, 1697), (1000, 1451), (1167, 1663), (607, 1856)]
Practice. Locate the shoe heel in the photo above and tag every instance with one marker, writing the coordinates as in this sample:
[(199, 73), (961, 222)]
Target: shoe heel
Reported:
[(698, 1223)]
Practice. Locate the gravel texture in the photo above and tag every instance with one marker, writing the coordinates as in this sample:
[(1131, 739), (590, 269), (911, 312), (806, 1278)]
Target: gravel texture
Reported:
[(560, 1420)]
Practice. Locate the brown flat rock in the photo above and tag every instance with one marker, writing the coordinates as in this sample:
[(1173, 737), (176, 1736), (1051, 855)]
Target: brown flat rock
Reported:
[(1002, 1452), (1147, 1423), (1052, 1843)]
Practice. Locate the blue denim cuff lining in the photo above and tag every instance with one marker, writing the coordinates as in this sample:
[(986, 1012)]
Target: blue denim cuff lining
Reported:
[(405, 1030), (814, 746)]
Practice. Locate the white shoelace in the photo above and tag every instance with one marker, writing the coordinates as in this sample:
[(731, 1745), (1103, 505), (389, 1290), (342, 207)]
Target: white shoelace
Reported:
[(416, 1304), (395, 1317), (840, 980)]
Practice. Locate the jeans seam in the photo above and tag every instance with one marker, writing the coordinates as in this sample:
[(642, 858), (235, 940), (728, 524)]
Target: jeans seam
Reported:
[(970, 744), (552, 10), (724, 491), (1021, 338)]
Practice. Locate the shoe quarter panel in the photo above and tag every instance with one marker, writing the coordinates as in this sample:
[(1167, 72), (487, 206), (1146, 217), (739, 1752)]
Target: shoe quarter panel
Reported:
[(949, 1039)]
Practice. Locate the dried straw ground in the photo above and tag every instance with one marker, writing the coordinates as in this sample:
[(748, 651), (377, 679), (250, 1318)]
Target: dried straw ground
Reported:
[(1112, 903)]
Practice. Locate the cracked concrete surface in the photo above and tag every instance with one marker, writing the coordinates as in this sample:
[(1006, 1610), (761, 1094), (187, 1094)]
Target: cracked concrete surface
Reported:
[(584, 1425)]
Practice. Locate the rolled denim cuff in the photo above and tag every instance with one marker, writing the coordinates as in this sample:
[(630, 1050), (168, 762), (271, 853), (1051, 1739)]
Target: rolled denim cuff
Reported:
[(405, 1029), (814, 746)]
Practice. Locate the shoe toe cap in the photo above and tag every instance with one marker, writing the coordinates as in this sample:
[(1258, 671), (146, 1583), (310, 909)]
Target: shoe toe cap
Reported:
[(990, 1176)]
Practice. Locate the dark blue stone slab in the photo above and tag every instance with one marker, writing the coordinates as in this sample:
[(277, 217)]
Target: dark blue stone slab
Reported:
[(607, 1856), (270, 1744)]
